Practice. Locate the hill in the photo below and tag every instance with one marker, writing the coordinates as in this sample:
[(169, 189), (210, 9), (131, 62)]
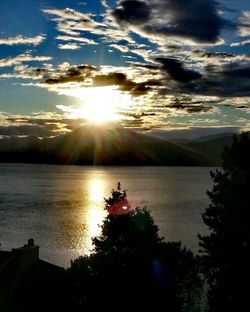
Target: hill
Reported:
[(211, 147), (93, 145)]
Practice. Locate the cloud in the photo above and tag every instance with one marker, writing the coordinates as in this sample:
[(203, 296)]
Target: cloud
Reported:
[(88, 76), (176, 70), (67, 73), (241, 43), (132, 12), (26, 75), (69, 14), (204, 59), (124, 84), (212, 55), (109, 79), (229, 80), (145, 54), (138, 115), (28, 72), (105, 4), (120, 47), (73, 23), (244, 24), (69, 46), (22, 40), (85, 76), (26, 57), (162, 89), (172, 80), (32, 72), (172, 19), (189, 108), (41, 124), (239, 103), (78, 39)]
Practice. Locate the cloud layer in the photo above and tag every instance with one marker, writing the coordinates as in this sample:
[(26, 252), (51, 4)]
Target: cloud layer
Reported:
[(19, 40), (178, 61)]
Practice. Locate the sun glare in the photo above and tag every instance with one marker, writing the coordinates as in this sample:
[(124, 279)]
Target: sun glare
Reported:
[(101, 104)]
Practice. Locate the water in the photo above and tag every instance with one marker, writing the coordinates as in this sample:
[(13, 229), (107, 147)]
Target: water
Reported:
[(61, 207)]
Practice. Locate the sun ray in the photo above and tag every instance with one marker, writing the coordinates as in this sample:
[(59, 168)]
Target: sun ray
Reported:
[(100, 104)]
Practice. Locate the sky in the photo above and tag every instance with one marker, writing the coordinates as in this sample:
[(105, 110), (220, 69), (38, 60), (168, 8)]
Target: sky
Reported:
[(151, 65)]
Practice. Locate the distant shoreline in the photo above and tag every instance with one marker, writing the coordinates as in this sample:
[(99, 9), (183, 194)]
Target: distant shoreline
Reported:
[(110, 165)]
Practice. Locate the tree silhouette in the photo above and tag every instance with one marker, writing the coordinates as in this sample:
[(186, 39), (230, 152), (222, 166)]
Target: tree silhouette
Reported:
[(226, 250), (117, 203), (132, 267)]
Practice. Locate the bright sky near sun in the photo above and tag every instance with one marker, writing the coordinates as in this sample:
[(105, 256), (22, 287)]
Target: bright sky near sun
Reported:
[(147, 64)]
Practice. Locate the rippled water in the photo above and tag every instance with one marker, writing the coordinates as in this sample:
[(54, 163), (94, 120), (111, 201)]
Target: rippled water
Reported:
[(61, 207)]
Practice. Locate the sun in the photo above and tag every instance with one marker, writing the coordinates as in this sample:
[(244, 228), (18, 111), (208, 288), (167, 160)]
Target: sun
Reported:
[(100, 104)]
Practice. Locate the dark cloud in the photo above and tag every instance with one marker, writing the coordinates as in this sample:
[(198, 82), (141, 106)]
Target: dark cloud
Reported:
[(201, 53), (127, 85), (71, 74), (198, 20), (186, 104), (148, 66), (140, 89), (81, 73), (132, 11), (86, 68), (241, 107), (227, 80), (137, 120), (109, 79), (238, 71), (230, 80), (120, 79), (176, 70), (197, 109), (138, 115), (64, 79)]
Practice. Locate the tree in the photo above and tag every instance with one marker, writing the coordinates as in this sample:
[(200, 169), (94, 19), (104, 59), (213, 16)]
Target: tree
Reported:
[(132, 266), (226, 250)]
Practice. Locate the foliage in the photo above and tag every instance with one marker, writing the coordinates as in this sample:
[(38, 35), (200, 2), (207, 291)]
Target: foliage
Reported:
[(226, 250), (116, 195), (133, 267)]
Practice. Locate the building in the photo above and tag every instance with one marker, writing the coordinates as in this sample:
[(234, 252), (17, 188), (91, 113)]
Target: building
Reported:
[(24, 278)]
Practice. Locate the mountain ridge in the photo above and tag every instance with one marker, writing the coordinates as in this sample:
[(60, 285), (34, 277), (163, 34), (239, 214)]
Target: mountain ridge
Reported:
[(93, 145)]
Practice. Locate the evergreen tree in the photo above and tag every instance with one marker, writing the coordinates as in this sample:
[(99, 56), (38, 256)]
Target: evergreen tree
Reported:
[(132, 267), (226, 250)]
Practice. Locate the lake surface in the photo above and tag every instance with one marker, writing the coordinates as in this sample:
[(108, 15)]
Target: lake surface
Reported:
[(62, 207)]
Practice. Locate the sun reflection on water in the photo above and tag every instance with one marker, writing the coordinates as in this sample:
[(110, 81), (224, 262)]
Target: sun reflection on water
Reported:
[(94, 213), (96, 189)]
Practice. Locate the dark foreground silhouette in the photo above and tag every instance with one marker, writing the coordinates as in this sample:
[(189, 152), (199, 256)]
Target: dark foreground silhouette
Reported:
[(133, 268), (226, 251), (28, 283)]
